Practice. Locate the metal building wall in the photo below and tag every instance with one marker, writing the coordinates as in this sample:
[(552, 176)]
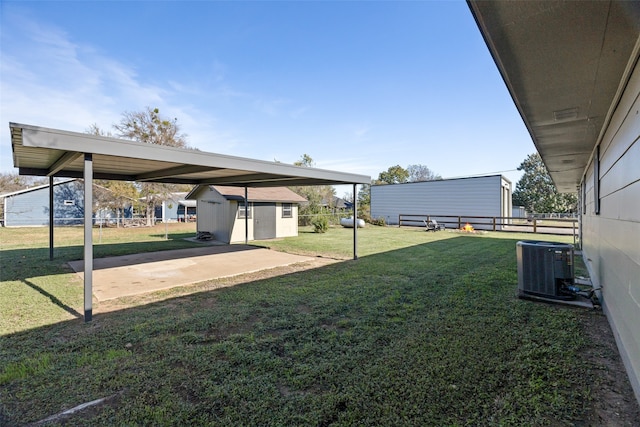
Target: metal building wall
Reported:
[(611, 238), (475, 196)]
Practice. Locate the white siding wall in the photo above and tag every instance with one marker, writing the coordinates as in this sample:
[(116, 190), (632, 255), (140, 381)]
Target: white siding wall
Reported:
[(213, 214), (219, 216), (286, 227), (238, 233), (611, 240), (479, 196)]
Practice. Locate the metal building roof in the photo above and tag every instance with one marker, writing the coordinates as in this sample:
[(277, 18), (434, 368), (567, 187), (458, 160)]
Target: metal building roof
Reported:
[(51, 152)]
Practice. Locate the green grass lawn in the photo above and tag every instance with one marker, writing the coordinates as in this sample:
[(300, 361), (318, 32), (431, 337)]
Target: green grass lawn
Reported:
[(423, 329)]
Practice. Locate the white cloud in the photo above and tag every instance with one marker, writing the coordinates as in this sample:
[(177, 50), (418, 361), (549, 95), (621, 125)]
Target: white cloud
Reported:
[(49, 80), (360, 132), (270, 107), (298, 112)]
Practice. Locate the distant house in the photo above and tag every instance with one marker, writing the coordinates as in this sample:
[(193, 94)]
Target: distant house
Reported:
[(484, 196), (519, 212), (272, 212), (337, 204), (176, 209), (30, 207)]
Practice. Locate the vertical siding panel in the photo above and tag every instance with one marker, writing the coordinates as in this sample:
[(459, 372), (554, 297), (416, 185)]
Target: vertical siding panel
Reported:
[(478, 196), (212, 211)]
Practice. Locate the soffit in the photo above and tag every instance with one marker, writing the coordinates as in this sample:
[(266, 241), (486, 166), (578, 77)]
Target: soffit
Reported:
[(563, 63)]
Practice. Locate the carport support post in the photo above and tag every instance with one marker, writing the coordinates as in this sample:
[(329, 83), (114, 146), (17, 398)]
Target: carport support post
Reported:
[(355, 222), (88, 237), (246, 215), (51, 216)]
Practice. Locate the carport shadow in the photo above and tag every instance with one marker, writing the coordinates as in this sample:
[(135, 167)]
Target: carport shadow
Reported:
[(147, 257), (55, 300), (428, 300)]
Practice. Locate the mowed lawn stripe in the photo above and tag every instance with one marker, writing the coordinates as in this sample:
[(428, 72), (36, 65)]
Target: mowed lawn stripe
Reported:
[(423, 329)]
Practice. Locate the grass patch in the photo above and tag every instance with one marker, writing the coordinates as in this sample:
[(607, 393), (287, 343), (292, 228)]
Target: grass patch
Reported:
[(423, 329), (36, 291)]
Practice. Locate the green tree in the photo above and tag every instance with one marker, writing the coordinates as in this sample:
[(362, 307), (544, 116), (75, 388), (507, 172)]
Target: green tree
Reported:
[(537, 193), (394, 175), (419, 173), (150, 127), (10, 182), (318, 196), (120, 194), (364, 201)]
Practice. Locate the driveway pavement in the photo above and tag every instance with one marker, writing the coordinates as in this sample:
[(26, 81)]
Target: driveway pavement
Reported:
[(128, 275)]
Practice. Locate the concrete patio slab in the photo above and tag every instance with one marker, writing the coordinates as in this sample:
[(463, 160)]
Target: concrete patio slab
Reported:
[(115, 277)]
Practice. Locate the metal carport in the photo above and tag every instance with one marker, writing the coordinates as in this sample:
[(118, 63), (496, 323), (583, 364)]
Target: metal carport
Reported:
[(57, 153)]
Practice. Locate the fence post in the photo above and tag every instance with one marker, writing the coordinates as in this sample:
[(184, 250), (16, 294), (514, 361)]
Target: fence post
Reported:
[(535, 225), (459, 223), (399, 220), (494, 223)]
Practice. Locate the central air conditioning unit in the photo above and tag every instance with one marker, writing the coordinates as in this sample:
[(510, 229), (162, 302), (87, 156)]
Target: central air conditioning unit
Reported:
[(545, 269)]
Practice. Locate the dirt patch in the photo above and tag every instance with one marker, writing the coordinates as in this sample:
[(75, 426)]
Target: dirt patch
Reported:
[(613, 401)]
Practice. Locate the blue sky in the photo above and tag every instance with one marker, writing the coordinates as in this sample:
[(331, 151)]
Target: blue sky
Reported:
[(359, 86)]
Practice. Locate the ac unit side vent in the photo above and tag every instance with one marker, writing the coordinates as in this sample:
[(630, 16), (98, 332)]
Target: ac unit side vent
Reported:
[(545, 269)]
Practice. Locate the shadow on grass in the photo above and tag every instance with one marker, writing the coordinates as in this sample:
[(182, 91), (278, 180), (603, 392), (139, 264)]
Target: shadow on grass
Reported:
[(54, 300), (21, 264), (430, 334), (174, 236)]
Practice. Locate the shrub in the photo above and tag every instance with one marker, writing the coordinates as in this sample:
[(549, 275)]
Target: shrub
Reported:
[(373, 221), (378, 221), (320, 224)]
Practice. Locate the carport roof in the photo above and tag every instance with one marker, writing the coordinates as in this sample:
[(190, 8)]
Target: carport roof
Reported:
[(52, 152)]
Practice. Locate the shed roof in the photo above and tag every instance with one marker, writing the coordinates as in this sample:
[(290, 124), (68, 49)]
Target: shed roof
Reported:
[(262, 194), (52, 152)]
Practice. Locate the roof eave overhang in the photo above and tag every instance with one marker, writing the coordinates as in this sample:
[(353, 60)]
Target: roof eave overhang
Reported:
[(52, 152), (564, 64)]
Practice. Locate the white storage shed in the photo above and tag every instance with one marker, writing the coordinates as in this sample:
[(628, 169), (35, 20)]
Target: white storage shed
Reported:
[(483, 196), (272, 212)]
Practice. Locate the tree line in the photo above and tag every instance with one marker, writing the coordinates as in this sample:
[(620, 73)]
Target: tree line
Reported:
[(535, 190)]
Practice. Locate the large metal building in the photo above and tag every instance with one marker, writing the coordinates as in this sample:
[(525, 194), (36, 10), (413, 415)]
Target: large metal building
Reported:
[(482, 196)]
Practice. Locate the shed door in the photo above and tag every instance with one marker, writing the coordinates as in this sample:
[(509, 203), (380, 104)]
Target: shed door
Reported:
[(264, 221)]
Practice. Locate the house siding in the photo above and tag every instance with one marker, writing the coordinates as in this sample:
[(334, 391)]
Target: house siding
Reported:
[(31, 208), (610, 238), (478, 196)]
